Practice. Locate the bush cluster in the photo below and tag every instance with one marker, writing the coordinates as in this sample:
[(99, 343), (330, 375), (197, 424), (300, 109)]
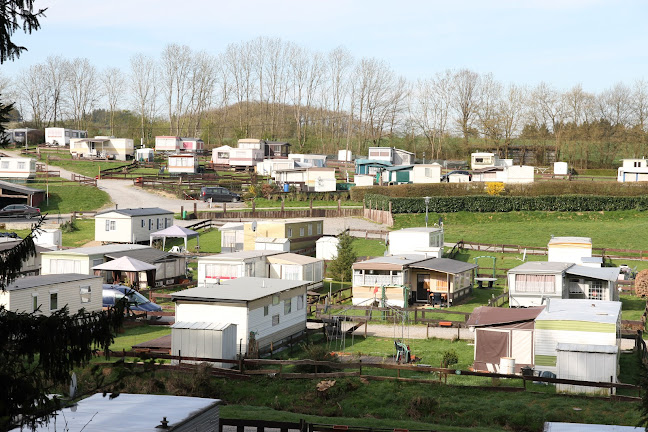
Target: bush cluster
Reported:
[(307, 196), (493, 204), (540, 188)]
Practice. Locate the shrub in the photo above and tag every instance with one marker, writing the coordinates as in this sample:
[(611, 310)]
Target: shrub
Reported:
[(318, 353), (495, 188), (449, 358), (70, 226)]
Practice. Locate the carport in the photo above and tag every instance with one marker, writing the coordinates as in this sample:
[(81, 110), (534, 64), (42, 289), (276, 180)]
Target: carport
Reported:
[(12, 193)]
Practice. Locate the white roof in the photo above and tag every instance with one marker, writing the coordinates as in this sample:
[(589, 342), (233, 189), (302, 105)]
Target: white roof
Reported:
[(95, 250), (581, 427), (127, 413), (275, 240), (417, 229), (239, 256), (575, 240), (602, 273), (243, 289), (201, 325), (328, 239), (541, 267), (125, 263), (581, 310), (232, 226)]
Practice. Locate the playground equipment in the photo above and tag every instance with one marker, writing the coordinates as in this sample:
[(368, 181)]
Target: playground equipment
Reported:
[(403, 353)]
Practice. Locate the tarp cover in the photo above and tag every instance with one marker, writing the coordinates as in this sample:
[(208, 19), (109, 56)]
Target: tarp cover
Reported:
[(488, 316)]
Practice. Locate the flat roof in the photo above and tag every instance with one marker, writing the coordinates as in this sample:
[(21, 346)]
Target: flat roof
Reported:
[(148, 255), (487, 315), (243, 289), (149, 211), (577, 240), (445, 265), (600, 311), (128, 413), (275, 240), (603, 273), (94, 250), (19, 188), (417, 229), (240, 255), (35, 281), (541, 267), (291, 258)]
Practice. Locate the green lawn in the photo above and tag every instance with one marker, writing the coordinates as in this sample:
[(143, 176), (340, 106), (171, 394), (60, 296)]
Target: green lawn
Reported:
[(86, 168), (369, 247), (614, 229), (69, 197), (210, 241), (138, 334)]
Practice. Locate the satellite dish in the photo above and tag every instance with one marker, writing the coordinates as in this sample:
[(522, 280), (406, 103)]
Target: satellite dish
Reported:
[(73, 385)]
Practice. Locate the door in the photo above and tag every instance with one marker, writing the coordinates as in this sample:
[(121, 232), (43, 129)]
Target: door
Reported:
[(422, 287)]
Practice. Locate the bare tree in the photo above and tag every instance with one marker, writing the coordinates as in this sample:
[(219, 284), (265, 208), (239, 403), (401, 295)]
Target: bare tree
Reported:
[(488, 109), (143, 85), (339, 65), (511, 112), (33, 92), (639, 105), (114, 86), (548, 108), (175, 72), (237, 59), (82, 85), (203, 78), (57, 74), (465, 99), (429, 109), (615, 104)]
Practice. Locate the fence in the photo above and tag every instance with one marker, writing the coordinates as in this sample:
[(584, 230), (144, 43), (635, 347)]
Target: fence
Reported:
[(303, 426), (279, 214), (367, 370), (499, 300), (381, 216), (84, 180), (368, 313)]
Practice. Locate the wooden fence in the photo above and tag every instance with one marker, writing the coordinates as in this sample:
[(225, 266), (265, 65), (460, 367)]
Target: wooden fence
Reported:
[(279, 214), (369, 313), (367, 370), (381, 216), (499, 300), (84, 180)]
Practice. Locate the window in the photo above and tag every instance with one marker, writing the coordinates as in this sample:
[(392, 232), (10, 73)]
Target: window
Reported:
[(34, 302), (310, 229), (143, 223), (637, 164), (287, 306), (157, 220), (110, 225), (319, 228), (292, 272), (266, 310), (4, 165), (300, 302), (596, 290), (60, 266), (289, 232), (275, 320), (150, 224), (275, 299), (166, 222), (85, 292), (301, 232), (21, 165), (54, 300), (533, 283)]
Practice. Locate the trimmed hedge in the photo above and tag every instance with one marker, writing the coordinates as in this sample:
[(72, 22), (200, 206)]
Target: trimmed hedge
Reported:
[(494, 204), (539, 188)]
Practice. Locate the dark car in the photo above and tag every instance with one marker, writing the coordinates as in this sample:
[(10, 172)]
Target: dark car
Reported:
[(20, 210), (218, 194), (136, 301), (446, 177)]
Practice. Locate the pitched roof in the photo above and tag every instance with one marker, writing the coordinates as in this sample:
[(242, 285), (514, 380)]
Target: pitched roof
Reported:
[(487, 316), (445, 265), (125, 263), (147, 255), (95, 250), (18, 188), (391, 262), (138, 211), (541, 267), (602, 273)]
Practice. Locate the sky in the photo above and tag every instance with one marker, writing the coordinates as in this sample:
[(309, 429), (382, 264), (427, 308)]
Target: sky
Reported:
[(565, 43)]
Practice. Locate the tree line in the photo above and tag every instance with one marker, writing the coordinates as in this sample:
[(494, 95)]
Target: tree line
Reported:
[(273, 89)]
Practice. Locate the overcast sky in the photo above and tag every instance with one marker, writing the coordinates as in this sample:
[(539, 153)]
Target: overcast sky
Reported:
[(563, 42)]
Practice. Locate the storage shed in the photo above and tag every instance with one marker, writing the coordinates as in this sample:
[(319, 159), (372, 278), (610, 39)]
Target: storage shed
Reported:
[(575, 321), (364, 179), (503, 333), (326, 247), (426, 173), (587, 362), (204, 339)]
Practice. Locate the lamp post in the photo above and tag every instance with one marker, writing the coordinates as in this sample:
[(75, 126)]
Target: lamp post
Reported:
[(427, 202)]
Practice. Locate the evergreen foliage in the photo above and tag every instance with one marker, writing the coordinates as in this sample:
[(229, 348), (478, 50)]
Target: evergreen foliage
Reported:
[(340, 267), (16, 15)]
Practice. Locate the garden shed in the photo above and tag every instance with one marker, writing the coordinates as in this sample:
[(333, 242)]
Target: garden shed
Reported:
[(205, 340), (231, 237), (587, 362), (574, 321), (503, 333), (326, 247), (426, 173)]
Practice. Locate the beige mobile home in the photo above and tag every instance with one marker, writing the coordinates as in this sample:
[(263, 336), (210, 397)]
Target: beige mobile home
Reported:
[(49, 293), (245, 158), (103, 147), (428, 173), (274, 310), (182, 164), (132, 225), (17, 167), (302, 233), (308, 179), (167, 144), (61, 136)]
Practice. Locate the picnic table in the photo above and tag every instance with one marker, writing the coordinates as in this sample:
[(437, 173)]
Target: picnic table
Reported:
[(480, 281)]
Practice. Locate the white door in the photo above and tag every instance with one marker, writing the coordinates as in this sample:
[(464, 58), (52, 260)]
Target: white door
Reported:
[(522, 346)]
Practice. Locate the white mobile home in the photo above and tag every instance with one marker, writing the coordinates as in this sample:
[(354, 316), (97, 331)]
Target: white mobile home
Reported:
[(308, 179), (390, 154), (103, 147), (192, 145), (231, 237), (245, 157), (251, 263), (17, 167), (364, 179), (221, 155), (204, 340), (46, 294), (633, 170), (418, 240), (575, 322), (268, 167), (253, 144), (290, 266), (345, 155), (182, 164), (167, 144), (272, 244), (132, 225), (273, 310), (80, 260), (483, 160), (308, 160), (533, 282), (61, 137), (569, 249), (428, 173)]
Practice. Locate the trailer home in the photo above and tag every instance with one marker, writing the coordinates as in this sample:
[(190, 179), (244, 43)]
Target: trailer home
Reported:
[(132, 225), (192, 145), (245, 158), (167, 144), (221, 155), (427, 241), (182, 164), (224, 266), (103, 147), (17, 167), (61, 136)]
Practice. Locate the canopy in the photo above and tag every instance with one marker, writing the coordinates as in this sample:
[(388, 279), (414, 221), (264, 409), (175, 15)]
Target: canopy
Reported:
[(132, 267), (175, 231)]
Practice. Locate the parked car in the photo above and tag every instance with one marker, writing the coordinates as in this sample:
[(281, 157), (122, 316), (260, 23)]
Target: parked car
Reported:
[(446, 177), (20, 210), (136, 301), (218, 194)]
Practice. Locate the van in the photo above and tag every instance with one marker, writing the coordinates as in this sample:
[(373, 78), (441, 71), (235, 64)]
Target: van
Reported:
[(218, 194)]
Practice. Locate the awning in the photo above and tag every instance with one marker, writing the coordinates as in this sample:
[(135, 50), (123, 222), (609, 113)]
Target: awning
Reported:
[(175, 231)]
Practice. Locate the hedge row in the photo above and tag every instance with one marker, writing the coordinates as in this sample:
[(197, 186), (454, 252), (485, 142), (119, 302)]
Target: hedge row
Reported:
[(307, 196), (488, 204), (539, 188)]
